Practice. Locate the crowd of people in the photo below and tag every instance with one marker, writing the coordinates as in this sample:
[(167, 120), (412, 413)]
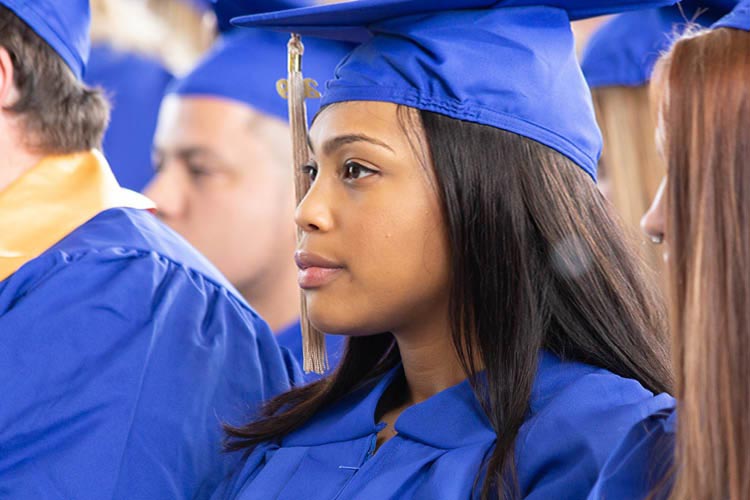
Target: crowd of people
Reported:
[(374, 249)]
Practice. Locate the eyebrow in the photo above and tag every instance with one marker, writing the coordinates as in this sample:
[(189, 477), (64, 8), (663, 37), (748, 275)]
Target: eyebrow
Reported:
[(331, 145)]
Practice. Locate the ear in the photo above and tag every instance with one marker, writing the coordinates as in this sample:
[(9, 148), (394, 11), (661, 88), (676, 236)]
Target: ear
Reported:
[(7, 88)]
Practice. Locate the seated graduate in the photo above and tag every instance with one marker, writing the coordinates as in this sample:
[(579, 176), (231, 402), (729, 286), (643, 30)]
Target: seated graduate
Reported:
[(697, 452), (122, 348), (222, 155), (502, 336)]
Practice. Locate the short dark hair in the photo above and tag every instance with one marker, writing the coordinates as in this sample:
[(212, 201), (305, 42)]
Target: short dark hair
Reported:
[(59, 113)]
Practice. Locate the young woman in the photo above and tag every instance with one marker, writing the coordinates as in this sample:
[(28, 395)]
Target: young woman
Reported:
[(701, 87), (502, 336)]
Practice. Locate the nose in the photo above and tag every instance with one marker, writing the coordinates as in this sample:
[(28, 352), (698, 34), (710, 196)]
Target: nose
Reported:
[(167, 190), (653, 222), (313, 213)]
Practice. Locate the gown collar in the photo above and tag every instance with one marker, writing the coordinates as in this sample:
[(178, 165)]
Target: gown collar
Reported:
[(52, 199), (453, 418)]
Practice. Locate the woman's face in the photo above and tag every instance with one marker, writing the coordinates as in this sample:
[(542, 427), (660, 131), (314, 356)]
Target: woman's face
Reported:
[(374, 253)]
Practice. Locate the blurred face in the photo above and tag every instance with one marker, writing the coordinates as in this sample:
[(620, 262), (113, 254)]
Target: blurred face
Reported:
[(223, 182), (653, 222), (374, 253)]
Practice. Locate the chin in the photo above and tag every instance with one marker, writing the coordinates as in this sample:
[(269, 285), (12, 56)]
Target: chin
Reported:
[(334, 321)]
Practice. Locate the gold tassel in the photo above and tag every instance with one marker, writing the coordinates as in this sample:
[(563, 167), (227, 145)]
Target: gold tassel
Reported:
[(297, 89)]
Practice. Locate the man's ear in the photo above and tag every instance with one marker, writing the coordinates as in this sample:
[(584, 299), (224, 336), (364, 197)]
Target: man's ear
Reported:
[(7, 87)]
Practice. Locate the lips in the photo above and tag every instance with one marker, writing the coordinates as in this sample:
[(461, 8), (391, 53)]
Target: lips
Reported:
[(315, 270)]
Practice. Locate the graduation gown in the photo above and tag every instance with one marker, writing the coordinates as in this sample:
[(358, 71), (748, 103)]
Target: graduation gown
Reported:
[(641, 463), (578, 414), (121, 348), (291, 339)]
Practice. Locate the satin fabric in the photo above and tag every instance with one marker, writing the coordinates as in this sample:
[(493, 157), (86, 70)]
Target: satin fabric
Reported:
[(578, 414), (123, 351)]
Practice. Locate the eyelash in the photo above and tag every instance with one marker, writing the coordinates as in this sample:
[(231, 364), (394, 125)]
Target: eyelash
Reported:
[(311, 170)]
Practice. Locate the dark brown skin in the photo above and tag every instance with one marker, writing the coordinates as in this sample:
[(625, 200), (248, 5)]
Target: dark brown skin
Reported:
[(373, 209)]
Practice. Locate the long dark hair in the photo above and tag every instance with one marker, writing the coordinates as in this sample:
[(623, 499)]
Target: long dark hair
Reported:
[(537, 261)]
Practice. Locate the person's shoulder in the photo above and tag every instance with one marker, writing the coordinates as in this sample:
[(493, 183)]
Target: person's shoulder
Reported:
[(129, 242), (578, 416), (575, 389), (123, 233), (641, 463)]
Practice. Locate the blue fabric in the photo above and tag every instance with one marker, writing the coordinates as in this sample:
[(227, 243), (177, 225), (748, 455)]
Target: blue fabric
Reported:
[(135, 86), (291, 339), (578, 414), (63, 24), (738, 19), (225, 10), (640, 466), (122, 351), (245, 65), (509, 64), (625, 49)]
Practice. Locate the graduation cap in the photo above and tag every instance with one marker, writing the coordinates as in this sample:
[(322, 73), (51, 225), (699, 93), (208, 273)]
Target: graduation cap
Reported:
[(624, 50), (738, 19), (245, 65), (509, 64), (63, 24)]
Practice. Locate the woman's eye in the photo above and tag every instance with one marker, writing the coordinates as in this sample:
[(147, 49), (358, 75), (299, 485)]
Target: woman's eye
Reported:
[(355, 171), (310, 171)]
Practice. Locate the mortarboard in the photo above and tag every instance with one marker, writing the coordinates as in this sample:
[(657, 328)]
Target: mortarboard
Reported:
[(509, 64), (738, 19), (624, 50), (63, 24)]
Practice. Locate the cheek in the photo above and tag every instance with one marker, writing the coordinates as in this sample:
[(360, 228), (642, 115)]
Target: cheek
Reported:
[(397, 260)]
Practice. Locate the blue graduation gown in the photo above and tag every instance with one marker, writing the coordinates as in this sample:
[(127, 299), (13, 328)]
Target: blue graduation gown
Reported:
[(122, 351), (135, 85), (578, 414), (640, 465), (291, 339)]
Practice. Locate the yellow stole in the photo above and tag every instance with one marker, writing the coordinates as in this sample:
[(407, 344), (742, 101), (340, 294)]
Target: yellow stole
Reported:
[(52, 199)]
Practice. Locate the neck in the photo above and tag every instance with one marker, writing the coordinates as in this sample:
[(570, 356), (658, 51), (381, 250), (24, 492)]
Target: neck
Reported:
[(14, 162), (430, 362), (276, 297)]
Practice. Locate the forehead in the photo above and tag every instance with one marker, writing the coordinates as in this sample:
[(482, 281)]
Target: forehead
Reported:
[(190, 120), (375, 119)]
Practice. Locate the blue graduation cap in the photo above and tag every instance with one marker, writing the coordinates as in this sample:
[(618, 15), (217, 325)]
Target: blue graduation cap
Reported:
[(623, 51), (245, 65), (63, 24), (509, 64), (738, 19)]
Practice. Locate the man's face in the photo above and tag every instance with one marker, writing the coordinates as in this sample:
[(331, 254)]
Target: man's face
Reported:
[(225, 183)]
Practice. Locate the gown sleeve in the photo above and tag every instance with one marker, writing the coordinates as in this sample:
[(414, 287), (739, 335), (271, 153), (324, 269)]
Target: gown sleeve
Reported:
[(562, 449), (117, 368)]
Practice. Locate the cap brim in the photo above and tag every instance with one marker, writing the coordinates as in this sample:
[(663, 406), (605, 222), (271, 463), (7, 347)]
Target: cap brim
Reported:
[(349, 20)]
